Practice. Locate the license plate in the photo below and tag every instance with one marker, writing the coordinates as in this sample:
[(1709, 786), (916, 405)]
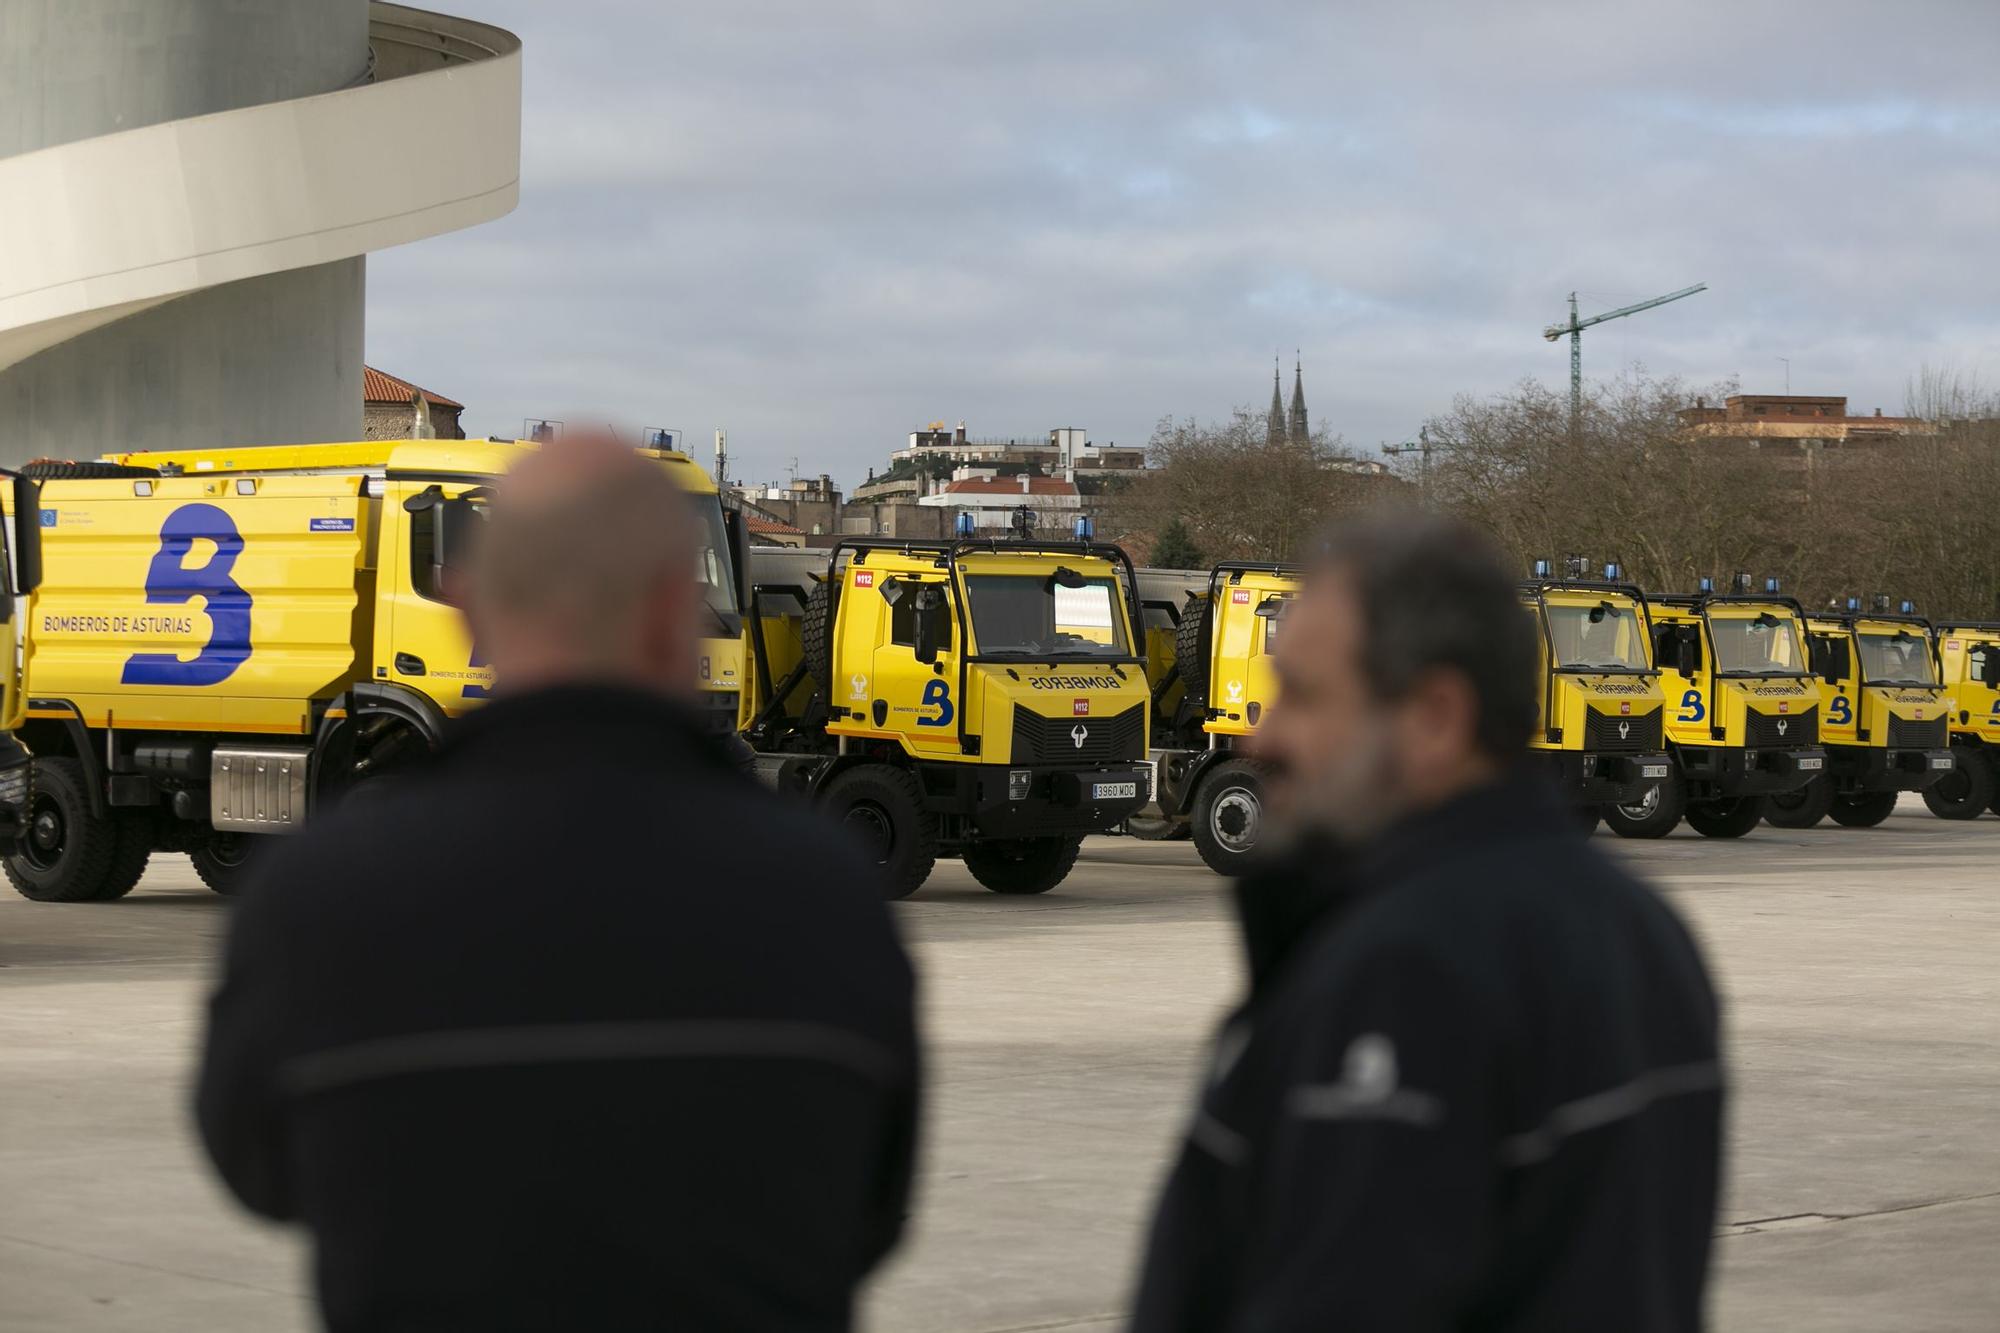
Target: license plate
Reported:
[(1113, 791), (1811, 764), (1652, 770), (1940, 761)]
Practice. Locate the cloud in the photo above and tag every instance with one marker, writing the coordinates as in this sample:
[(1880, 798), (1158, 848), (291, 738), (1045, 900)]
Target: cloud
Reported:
[(822, 225)]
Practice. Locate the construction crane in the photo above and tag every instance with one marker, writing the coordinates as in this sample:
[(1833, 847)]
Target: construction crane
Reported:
[(1575, 327)]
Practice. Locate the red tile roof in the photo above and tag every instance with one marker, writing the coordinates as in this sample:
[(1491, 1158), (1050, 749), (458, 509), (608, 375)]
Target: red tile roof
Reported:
[(756, 524), (1009, 486), (381, 387)]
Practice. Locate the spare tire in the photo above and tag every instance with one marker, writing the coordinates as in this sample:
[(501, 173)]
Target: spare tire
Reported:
[(54, 469), (816, 634), (1191, 652)]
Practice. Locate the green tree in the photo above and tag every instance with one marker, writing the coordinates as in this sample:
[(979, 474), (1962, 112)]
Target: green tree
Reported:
[(1174, 548)]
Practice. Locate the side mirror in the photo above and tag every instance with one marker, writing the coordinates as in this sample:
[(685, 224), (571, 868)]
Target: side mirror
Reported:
[(1687, 651), (1989, 667), (1272, 607), (27, 535), (929, 630)]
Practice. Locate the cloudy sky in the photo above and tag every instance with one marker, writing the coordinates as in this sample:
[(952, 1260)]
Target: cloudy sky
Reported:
[(821, 225)]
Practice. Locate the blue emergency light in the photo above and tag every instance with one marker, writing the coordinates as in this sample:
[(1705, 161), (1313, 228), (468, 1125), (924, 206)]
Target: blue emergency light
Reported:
[(1542, 569), (1771, 586), (1613, 571), (962, 525), (1854, 603), (1707, 584), (1907, 607), (1086, 529)]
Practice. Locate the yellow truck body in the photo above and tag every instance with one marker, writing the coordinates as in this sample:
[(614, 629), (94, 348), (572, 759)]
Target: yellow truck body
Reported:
[(1968, 657), (1881, 718), (207, 615), (1601, 727), (980, 698), (1211, 668), (1742, 712)]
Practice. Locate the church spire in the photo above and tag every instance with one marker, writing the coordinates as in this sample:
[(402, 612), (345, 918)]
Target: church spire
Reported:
[(1296, 428), (1276, 423)]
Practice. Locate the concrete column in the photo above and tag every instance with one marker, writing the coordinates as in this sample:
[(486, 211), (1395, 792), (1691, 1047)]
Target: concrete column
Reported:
[(265, 360)]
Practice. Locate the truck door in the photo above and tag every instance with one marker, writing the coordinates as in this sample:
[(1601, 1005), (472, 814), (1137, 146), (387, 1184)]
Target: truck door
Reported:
[(923, 702), (428, 646)]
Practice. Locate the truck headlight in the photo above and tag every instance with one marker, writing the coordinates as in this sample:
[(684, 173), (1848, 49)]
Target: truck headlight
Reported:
[(1018, 782)]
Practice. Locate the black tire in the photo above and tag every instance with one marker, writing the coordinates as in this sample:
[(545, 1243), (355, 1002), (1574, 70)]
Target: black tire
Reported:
[(128, 861), (1654, 815), (1158, 830), (54, 469), (1865, 810), (1021, 865), (1588, 817), (1227, 814), (222, 863), (885, 809), (1968, 790), (1191, 653), (66, 855), (1802, 808), (816, 634), (1725, 817)]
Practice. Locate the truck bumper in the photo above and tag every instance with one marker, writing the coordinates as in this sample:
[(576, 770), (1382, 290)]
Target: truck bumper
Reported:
[(1003, 802), (1604, 779), (1720, 771), (1859, 768)]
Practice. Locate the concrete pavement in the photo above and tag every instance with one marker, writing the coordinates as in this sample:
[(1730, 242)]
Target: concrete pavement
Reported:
[(1858, 968)]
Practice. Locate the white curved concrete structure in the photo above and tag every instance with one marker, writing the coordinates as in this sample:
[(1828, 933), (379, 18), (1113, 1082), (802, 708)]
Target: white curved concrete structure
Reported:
[(425, 140)]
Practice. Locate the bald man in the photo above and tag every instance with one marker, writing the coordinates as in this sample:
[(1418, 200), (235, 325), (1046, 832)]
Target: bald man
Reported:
[(575, 1027)]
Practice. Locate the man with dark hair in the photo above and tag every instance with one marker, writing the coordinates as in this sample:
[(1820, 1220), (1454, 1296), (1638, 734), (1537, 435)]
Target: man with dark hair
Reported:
[(581, 1029), (1475, 1083)]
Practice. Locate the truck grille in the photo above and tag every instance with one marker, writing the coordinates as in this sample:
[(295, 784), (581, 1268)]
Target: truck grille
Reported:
[(1909, 734), (718, 712), (1641, 735), (1776, 731), (1079, 740)]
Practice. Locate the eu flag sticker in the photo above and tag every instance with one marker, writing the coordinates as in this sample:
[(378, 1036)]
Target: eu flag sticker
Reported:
[(330, 525), (48, 518)]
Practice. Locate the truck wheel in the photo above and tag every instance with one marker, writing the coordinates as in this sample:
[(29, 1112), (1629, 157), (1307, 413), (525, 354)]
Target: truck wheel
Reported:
[(1191, 654), (1864, 811), (1021, 865), (222, 862), (128, 861), (1228, 814), (882, 806), (1966, 791), (1587, 819), (1802, 808), (66, 854), (816, 634), (1157, 830), (1728, 817), (1653, 815)]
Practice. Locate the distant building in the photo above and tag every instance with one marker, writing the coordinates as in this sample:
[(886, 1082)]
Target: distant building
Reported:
[(1282, 426), (395, 409), (1795, 421), (992, 500), (1058, 452)]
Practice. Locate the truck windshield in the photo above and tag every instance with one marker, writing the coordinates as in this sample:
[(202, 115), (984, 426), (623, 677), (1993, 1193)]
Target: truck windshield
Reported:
[(1600, 636), (1762, 645), (1030, 617), (1901, 658)]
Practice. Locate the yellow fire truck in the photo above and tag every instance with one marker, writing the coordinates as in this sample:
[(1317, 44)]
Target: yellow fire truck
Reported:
[(20, 573), (1601, 729), (225, 639), (1209, 696), (1968, 654), (1741, 711), (979, 697), (1882, 717)]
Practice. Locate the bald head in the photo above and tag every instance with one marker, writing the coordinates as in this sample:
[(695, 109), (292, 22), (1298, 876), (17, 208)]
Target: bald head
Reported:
[(585, 572)]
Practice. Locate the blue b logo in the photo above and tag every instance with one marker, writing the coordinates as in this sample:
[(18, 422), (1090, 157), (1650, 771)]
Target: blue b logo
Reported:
[(170, 581), (938, 693), (1692, 709), (1840, 712)]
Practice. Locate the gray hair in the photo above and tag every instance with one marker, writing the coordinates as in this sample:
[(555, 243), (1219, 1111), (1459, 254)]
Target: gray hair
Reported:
[(1435, 594)]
